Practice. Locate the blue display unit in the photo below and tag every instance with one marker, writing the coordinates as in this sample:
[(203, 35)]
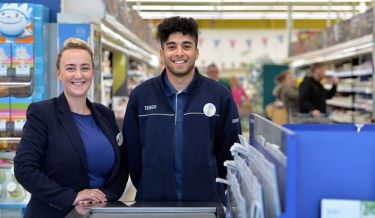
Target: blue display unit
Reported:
[(324, 161), (23, 73)]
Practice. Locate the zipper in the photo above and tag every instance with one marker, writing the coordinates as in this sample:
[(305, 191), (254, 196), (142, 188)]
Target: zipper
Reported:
[(175, 111)]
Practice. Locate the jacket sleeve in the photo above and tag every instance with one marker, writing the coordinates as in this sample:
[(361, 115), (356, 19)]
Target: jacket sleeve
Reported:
[(231, 128), (132, 141), (29, 158), (330, 93), (116, 187)]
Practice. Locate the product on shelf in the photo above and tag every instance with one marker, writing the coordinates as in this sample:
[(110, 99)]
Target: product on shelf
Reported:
[(22, 62), (3, 193), (2, 176), (15, 191), (5, 61)]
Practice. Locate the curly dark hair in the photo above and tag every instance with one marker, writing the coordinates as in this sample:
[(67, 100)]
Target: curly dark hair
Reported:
[(177, 24)]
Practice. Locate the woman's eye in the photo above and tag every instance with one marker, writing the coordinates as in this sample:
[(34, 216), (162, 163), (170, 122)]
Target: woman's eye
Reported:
[(70, 69), (85, 69)]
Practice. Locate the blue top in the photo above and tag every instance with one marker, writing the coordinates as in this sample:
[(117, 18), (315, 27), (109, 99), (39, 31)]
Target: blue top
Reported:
[(177, 102), (100, 155)]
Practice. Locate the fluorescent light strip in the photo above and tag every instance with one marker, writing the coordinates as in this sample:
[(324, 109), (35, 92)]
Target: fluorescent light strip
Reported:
[(253, 1), (246, 15), (124, 41), (241, 8)]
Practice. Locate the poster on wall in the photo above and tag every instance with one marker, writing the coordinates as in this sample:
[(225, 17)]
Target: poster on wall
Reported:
[(66, 31), (16, 23)]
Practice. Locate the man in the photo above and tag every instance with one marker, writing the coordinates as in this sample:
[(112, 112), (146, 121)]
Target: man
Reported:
[(312, 94), (213, 73), (180, 125)]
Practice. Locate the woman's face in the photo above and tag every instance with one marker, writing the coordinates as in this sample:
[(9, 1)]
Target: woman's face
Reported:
[(289, 79), (75, 72)]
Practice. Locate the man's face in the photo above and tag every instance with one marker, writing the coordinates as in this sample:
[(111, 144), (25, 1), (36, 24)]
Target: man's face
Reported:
[(213, 73), (179, 53), (320, 72)]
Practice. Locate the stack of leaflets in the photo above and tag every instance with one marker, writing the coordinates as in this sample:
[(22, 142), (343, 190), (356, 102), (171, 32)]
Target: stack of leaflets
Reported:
[(338, 208)]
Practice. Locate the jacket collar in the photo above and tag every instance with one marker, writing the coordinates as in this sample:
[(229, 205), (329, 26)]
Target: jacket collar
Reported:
[(197, 79)]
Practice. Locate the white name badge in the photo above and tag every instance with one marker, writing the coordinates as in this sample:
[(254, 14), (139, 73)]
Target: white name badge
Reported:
[(119, 139)]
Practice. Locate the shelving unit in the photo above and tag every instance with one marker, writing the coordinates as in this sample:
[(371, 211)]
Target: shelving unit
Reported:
[(351, 62)]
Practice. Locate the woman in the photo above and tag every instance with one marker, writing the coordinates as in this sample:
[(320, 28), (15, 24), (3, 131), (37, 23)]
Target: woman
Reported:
[(287, 92), (239, 96), (68, 153)]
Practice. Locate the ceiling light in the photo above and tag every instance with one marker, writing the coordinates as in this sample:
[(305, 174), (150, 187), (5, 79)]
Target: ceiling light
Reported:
[(252, 1), (245, 15), (241, 8)]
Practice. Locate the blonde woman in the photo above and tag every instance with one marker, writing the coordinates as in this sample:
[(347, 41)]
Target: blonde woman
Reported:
[(68, 153)]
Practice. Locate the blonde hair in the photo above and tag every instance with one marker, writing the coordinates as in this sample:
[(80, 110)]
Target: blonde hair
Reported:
[(74, 43)]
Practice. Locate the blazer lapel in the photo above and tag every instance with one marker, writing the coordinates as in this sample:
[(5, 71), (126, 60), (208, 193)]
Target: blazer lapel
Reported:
[(67, 122)]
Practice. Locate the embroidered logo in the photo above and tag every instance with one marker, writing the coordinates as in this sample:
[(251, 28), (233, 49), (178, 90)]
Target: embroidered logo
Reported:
[(237, 120), (150, 107), (209, 109)]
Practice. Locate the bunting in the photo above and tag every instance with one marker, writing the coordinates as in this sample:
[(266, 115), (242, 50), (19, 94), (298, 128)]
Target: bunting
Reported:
[(200, 42), (265, 41), (280, 38), (216, 43), (232, 43), (248, 43)]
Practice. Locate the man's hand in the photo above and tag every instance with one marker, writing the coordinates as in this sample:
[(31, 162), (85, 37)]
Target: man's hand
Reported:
[(316, 113)]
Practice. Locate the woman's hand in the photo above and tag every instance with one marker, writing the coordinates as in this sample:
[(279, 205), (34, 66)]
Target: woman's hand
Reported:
[(89, 196)]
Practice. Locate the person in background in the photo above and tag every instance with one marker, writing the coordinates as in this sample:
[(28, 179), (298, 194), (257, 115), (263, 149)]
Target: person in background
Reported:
[(180, 125), (213, 73), (287, 92), (68, 153), (239, 96), (312, 94)]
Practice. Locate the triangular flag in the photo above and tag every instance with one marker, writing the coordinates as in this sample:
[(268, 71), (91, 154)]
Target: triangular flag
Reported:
[(232, 43), (200, 42), (216, 43), (265, 41), (248, 43), (280, 38)]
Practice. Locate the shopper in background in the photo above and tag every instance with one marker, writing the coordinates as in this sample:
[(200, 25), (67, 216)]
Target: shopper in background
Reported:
[(239, 96), (68, 153), (287, 92), (213, 73), (312, 94), (180, 125)]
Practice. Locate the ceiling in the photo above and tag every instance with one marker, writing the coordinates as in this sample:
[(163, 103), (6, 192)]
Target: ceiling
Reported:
[(250, 9)]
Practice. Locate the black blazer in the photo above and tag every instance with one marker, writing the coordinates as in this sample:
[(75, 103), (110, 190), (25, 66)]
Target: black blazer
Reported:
[(50, 160)]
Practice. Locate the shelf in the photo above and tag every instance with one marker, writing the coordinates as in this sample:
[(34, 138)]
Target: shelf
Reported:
[(362, 107), (346, 73), (365, 90), (359, 46), (337, 119), (15, 84), (362, 72), (336, 103)]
